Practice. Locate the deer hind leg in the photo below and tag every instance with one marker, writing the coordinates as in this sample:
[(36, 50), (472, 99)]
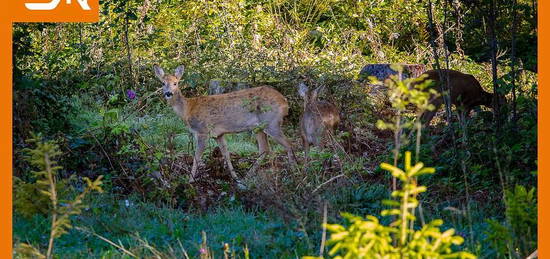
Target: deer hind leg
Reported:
[(263, 144), (227, 158), (201, 144), (274, 131)]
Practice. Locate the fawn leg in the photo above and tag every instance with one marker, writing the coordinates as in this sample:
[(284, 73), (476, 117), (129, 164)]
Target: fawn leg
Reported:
[(306, 149)]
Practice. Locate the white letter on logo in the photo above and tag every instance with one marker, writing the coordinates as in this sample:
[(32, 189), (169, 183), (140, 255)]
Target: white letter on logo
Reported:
[(54, 3), (84, 5), (43, 6)]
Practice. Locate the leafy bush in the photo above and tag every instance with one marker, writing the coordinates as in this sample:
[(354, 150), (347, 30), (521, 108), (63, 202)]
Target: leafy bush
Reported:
[(518, 235), (42, 156), (28, 199), (48, 112), (368, 238)]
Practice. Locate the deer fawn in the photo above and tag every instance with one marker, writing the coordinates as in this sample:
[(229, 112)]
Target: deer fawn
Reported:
[(319, 118), (465, 92), (260, 108)]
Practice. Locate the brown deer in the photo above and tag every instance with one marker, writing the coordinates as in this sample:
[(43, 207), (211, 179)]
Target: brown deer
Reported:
[(261, 108), (465, 92), (318, 119)]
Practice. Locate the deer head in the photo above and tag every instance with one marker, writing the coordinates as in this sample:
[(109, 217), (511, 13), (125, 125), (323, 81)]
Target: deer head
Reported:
[(309, 96), (170, 83)]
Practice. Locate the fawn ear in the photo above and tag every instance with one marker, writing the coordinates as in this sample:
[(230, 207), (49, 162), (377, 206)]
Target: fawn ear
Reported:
[(316, 92), (302, 90), (159, 72), (179, 72)]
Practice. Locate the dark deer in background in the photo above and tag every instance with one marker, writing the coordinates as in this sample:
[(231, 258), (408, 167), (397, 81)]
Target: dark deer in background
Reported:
[(260, 108), (465, 92), (318, 119)]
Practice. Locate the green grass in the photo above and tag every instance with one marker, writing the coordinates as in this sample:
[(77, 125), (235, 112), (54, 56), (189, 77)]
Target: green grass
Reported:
[(265, 235)]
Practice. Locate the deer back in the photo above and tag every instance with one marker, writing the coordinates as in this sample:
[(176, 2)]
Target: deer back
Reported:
[(237, 111), (465, 89)]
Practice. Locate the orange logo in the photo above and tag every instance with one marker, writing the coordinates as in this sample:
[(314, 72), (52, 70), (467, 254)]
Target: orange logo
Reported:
[(54, 10), (54, 3)]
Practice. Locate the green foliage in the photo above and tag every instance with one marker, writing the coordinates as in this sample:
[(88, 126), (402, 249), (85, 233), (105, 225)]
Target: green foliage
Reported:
[(362, 199), (43, 157), (28, 199), (517, 237), (404, 93), (521, 209), (48, 111), (368, 238)]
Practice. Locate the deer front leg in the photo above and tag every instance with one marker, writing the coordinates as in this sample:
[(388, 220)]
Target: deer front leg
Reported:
[(201, 144), (427, 117), (227, 158), (330, 138)]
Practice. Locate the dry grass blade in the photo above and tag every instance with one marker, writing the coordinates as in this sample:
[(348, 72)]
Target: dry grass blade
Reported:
[(324, 235), (328, 181), (120, 247), (533, 255)]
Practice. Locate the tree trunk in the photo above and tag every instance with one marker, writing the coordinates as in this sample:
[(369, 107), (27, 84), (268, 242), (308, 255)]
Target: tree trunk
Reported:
[(513, 60), (128, 47), (494, 62), (443, 76)]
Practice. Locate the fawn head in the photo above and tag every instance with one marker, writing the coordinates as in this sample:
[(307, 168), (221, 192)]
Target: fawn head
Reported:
[(169, 82), (309, 96)]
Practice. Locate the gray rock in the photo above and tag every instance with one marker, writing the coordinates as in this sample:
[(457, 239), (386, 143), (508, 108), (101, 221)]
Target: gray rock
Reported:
[(220, 87), (383, 71)]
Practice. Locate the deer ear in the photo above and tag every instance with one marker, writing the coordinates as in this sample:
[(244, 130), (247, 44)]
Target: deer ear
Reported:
[(302, 90), (179, 72), (159, 72), (316, 92)]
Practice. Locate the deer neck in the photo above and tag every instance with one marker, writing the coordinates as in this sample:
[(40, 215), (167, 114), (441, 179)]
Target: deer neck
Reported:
[(179, 104), (312, 107)]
